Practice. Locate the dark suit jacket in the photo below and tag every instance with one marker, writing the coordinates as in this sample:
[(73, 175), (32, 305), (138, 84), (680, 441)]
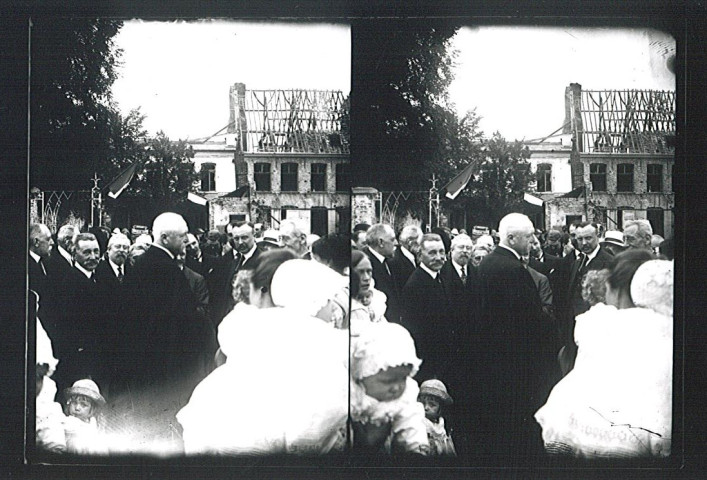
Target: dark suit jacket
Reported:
[(57, 266), (386, 283), (460, 295), (107, 277), (517, 357), (401, 267), (220, 284), (82, 337), (38, 281), (160, 332), (427, 314)]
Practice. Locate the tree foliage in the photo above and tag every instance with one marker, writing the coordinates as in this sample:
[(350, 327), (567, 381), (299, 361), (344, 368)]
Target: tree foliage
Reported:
[(166, 174), (402, 119), (73, 66), (503, 177)]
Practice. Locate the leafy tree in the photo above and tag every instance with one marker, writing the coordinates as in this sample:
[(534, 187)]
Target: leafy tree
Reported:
[(503, 177), (165, 175), (73, 66), (403, 123)]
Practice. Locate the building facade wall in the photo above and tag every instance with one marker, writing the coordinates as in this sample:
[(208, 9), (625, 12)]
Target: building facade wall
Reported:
[(290, 204)]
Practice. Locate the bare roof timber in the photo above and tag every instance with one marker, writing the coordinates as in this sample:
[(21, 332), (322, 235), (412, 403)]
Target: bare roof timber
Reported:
[(627, 121), (306, 121)]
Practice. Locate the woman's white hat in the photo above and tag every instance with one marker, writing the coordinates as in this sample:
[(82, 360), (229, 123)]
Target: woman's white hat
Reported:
[(652, 286), (305, 285)]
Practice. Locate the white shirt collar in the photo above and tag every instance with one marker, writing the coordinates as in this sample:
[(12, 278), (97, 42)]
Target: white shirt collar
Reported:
[(458, 268), (408, 254), (162, 248), (114, 266), (590, 256), (429, 272), (34, 256), (510, 250), (380, 257), (83, 270), (247, 255)]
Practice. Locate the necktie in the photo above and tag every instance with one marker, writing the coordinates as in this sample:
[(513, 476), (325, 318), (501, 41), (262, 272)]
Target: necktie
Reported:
[(387, 268), (120, 273), (464, 274), (41, 264), (92, 277)]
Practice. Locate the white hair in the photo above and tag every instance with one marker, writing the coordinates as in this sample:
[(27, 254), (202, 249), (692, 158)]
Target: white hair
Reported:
[(166, 223), (408, 232), (116, 237), (511, 223), (643, 226), (297, 225), (461, 237)]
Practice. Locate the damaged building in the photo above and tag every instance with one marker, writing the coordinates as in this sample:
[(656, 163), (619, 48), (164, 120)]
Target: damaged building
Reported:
[(615, 156), (283, 155)]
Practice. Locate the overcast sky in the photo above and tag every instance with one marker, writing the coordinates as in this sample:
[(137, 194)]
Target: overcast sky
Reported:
[(516, 76), (179, 73)]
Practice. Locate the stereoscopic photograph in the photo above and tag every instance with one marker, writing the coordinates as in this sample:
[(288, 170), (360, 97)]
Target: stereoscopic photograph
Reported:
[(434, 242)]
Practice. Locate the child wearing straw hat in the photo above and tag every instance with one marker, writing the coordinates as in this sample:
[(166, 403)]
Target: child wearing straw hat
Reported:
[(434, 397), (83, 402)]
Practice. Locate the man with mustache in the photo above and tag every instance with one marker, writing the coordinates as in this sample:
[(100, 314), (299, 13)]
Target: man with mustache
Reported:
[(79, 319), (114, 267), (426, 309)]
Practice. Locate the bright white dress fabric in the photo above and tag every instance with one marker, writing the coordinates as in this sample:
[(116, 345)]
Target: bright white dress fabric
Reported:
[(405, 415), (282, 390), (617, 401)]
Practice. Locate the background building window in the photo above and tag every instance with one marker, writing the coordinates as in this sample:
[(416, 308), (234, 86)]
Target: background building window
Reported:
[(597, 175), (544, 177), (655, 177), (262, 177), (208, 177), (318, 177), (624, 177), (288, 177), (343, 177)]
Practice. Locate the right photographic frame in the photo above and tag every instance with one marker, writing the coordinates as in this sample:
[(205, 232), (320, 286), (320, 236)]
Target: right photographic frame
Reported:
[(514, 211)]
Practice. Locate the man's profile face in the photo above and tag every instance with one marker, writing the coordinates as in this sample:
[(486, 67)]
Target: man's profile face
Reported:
[(587, 239), (535, 248), (43, 243), (292, 239), (387, 243), (414, 244), (634, 239), (521, 239), (361, 241), (432, 254), (192, 246), (87, 254), (176, 240), (242, 238)]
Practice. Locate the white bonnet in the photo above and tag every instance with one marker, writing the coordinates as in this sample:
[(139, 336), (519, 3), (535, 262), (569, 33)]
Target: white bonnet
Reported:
[(305, 285), (382, 345), (652, 286)]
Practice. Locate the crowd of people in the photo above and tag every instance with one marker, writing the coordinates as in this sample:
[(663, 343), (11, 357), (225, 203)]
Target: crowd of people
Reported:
[(252, 342)]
